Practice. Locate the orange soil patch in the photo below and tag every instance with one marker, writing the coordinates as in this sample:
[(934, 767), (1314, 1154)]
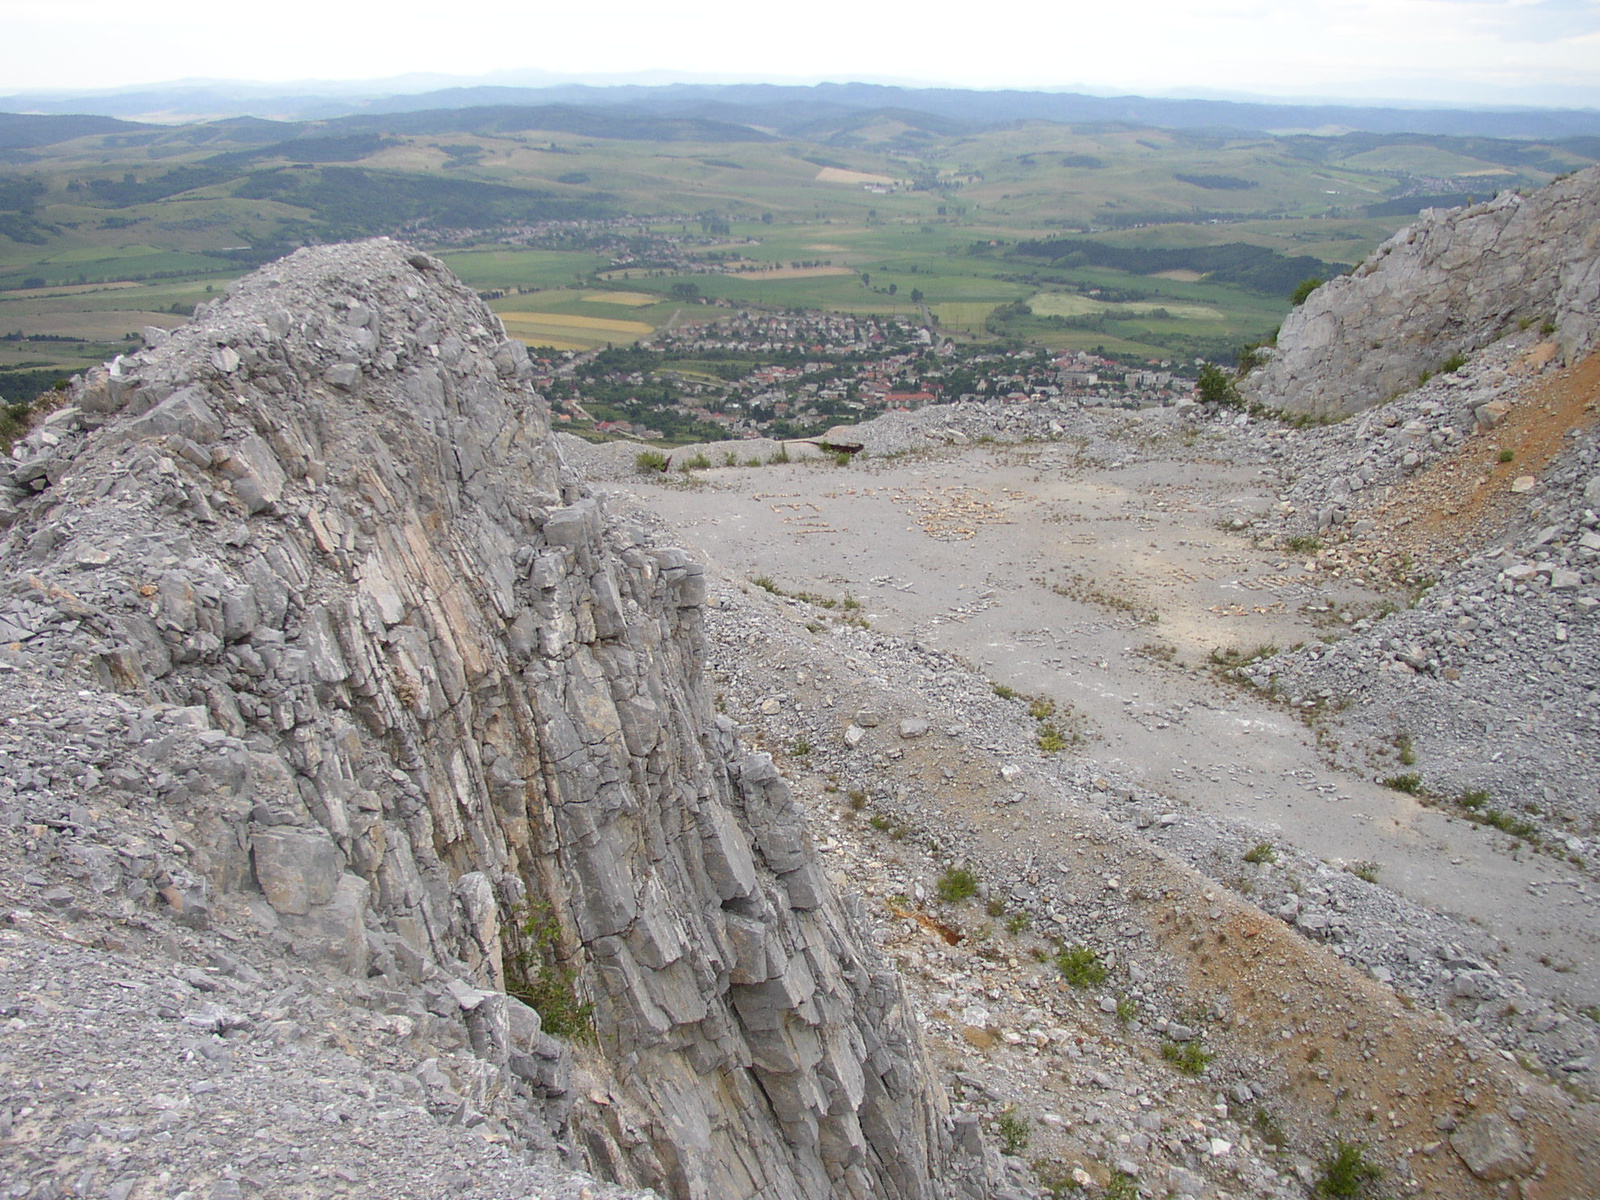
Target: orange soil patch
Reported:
[(1459, 504)]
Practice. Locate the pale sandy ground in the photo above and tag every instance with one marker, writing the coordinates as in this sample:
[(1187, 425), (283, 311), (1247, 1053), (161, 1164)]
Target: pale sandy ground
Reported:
[(950, 547)]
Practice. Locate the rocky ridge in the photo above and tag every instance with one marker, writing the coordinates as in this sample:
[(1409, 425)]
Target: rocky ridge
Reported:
[(364, 680), (1455, 281)]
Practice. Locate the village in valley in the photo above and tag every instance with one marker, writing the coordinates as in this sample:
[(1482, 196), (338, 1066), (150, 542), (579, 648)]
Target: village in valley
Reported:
[(798, 374)]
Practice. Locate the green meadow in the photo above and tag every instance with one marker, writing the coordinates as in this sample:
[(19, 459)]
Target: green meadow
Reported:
[(104, 234)]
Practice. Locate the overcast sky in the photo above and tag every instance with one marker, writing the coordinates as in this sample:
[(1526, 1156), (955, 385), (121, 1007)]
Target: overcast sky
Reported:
[(1477, 51)]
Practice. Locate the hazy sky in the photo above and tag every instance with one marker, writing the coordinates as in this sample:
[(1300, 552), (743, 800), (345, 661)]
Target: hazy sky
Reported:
[(1483, 51)]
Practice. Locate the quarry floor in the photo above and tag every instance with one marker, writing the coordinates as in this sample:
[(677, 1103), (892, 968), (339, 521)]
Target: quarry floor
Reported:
[(1106, 589)]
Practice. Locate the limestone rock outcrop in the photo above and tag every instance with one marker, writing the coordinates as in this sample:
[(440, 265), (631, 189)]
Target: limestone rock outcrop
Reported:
[(442, 723), (1450, 284)]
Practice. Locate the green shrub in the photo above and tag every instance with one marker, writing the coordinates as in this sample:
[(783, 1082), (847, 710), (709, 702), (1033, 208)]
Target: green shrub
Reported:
[(1452, 364), (1506, 456), (1080, 966), (536, 976), (698, 463), (782, 456), (1345, 1173), (1051, 740), (1303, 289), (1261, 852), (957, 884), (1189, 1057), (1303, 543), (1127, 1009), (1214, 386), (1410, 783), (1406, 749), (1014, 1131), (651, 462), (1018, 923)]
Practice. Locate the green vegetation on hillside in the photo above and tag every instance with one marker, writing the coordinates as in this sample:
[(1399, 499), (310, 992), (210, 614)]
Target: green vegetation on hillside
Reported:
[(1150, 243)]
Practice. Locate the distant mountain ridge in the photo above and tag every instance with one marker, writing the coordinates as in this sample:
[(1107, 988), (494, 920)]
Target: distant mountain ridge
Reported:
[(792, 108)]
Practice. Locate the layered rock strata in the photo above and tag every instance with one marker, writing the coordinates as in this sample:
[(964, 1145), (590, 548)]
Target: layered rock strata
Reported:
[(444, 726), (1448, 285)]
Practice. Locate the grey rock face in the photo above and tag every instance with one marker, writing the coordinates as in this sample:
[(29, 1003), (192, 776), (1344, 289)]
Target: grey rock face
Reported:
[(451, 702), (1450, 284)]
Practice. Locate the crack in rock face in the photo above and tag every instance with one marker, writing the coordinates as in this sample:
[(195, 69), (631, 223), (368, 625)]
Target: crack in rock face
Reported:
[(438, 722)]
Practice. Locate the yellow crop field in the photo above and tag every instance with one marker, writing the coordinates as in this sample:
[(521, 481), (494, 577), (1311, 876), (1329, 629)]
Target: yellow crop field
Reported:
[(568, 321), (631, 299), (840, 175)]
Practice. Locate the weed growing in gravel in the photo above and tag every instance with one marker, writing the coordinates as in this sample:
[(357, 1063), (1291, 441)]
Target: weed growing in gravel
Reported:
[(1051, 740), (1018, 923), (1056, 1179), (1160, 652), (857, 798), (651, 462), (781, 457), (1127, 1009), (1345, 1173), (1226, 659), (1303, 543), (766, 584), (1188, 1057), (957, 884), (1366, 869), (1122, 1187), (1452, 364), (1080, 966), (802, 747), (730, 459), (1405, 748), (1270, 1129), (996, 907), (1506, 456), (1013, 1131), (1261, 852), (1003, 691), (1410, 783)]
